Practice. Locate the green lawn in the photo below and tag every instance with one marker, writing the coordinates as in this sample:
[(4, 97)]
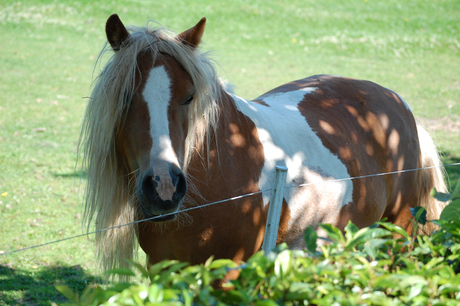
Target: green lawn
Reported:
[(48, 50)]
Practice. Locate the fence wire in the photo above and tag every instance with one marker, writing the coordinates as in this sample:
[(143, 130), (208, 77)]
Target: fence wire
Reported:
[(215, 203)]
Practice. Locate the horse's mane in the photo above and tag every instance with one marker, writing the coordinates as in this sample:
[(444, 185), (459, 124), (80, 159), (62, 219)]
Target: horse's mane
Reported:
[(109, 192)]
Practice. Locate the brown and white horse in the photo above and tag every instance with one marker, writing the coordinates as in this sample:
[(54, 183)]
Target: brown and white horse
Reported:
[(161, 134)]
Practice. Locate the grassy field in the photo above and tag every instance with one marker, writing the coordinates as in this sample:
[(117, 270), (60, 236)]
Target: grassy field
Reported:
[(48, 50)]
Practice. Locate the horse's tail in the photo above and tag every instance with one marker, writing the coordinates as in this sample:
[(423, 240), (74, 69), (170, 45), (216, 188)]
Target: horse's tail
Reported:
[(432, 176)]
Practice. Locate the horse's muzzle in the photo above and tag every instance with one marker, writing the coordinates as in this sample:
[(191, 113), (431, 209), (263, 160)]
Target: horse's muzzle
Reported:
[(160, 195)]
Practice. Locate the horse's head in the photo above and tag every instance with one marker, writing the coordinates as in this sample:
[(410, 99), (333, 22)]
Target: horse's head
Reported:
[(152, 135)]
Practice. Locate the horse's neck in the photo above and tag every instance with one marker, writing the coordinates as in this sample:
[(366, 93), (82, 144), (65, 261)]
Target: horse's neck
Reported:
[(235, 132), (232, 159)]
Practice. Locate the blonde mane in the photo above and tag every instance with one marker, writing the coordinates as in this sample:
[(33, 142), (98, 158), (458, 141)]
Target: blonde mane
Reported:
[(109, 192)]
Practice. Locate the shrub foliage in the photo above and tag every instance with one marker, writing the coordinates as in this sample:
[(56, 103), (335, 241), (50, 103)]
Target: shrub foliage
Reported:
[(366, 266)]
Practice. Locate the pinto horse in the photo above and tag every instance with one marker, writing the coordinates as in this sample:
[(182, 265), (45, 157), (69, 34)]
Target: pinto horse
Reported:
[(162, 134)]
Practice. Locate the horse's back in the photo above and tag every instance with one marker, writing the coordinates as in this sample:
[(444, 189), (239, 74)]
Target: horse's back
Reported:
[(332, 128)]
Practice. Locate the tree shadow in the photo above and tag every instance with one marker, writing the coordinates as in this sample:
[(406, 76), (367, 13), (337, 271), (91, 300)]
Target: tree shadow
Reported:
[(23, 287)]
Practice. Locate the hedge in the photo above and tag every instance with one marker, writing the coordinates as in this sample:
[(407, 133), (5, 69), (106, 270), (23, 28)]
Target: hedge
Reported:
[(356, 267)]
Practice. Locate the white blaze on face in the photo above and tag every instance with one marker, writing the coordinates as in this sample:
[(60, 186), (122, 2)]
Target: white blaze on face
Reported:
[(157, 95)]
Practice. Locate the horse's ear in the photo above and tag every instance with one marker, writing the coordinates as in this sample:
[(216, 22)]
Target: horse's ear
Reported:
[(192, 36), (116, 32)]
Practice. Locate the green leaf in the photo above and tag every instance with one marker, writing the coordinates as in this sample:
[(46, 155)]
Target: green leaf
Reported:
[(377, 298), (443, 197), (456, 191), (388, 281), (156, 293), (67, 292), (451, 212), (169, 294), (188, 297), (139, 267), (350, 230), (299, 291), (419, 214), (373, 247), (283, 263), (366, 234), (232, 297), (413, 281), (176, 267), (266, 303), (121, 271), (434, 262), (258, 259), (219, 263), (394, 228), (155, 269), (96, 295), (333, 232), (208, 262), (311, 237), (119, 287)]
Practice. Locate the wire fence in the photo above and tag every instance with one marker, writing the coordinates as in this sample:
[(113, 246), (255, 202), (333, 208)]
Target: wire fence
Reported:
[(218, 202)]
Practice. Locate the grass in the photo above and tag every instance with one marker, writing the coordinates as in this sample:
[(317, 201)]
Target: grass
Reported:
[(36, 287), (48, 51)]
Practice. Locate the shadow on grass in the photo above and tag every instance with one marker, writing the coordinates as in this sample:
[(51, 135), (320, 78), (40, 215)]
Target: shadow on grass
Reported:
[(22, 287), (453, 172)]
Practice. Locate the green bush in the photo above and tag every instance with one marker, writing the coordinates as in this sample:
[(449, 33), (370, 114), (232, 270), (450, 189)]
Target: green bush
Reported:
[(357, 267)]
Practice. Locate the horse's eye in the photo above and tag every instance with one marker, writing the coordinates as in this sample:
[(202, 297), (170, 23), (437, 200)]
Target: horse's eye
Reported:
[(189, 100)]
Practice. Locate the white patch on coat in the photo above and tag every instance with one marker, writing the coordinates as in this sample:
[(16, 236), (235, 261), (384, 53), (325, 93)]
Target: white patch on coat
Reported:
[(289, 141), (157, 94)]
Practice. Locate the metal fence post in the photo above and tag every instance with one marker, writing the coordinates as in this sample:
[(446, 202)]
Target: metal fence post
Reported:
[(274, 210)]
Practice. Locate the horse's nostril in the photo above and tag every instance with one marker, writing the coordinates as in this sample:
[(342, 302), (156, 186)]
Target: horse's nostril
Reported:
[(181, 186), (149, 186), (178, 180)]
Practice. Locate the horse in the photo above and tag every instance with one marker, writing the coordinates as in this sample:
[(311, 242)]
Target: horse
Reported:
[(161, 134)]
